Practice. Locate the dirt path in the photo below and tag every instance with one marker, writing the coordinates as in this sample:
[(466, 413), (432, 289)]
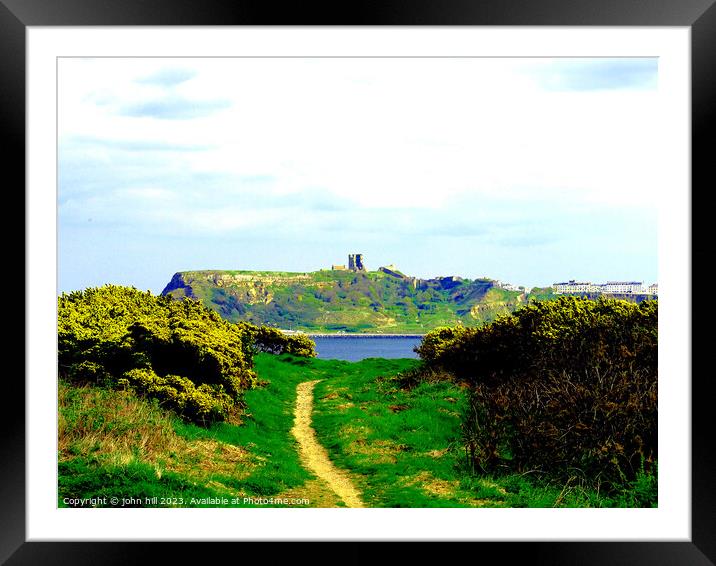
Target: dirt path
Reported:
[(313, 455)]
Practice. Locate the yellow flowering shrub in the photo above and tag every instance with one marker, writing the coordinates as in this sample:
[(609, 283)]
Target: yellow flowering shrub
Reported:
[(177, 351), (205, 403)]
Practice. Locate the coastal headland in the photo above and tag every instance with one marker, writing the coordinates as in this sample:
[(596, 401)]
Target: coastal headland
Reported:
[(384, 302)]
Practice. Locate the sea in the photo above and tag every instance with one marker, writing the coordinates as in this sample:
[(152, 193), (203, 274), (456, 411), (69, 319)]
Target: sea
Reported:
[(353, 348)]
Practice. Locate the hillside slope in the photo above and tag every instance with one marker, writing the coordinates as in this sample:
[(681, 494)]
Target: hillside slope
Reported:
[(334, 301)]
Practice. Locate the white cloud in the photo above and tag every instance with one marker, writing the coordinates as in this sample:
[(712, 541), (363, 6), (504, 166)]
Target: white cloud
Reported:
[(380, 132), (500, 151)]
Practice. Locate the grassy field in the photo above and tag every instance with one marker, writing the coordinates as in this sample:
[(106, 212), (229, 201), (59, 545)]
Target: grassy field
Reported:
[(400, 443)]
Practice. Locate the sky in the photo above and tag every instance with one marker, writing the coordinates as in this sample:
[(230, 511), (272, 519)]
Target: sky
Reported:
[(530, 171)]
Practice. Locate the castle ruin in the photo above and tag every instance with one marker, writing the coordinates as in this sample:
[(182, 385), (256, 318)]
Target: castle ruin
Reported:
[(355, 262)]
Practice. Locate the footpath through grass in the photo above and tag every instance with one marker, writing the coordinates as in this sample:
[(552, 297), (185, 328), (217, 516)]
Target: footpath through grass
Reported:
[(401, 445), (399, 442), (113, 444)]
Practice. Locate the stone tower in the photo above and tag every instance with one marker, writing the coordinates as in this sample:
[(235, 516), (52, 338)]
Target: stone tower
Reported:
[(355, 262)]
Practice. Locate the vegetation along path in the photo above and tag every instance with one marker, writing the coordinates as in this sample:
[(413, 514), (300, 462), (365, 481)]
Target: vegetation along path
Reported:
[(313, 455)]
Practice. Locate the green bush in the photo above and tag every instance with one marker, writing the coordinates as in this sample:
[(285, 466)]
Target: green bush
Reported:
[(177, 351), (435, 344), (204, 403), (273, 341), (565, 387), (569, 334)]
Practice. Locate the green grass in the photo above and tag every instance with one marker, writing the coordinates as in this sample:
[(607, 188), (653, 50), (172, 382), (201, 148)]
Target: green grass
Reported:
[(100, 457), (134, 484), (399, 441), (403, 446), (266, 430), (114, 444)]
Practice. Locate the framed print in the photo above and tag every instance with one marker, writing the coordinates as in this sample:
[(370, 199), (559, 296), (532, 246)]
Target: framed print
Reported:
[(220, 372)]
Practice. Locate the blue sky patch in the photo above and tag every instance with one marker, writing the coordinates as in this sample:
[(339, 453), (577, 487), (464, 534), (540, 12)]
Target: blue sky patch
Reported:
[(600, 74), (168, 77), (173, 108)]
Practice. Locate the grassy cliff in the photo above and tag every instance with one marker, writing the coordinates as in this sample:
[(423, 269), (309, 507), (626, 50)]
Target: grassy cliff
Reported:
[(335, 301)]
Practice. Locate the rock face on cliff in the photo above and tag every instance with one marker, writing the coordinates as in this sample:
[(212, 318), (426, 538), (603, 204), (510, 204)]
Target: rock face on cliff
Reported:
[(178, 287), (384, 301)]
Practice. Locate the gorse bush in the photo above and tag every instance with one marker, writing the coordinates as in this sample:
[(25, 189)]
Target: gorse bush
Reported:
[(597, 428), (273, 341), (197, 403), (565, 387), (568, 334), (178, 352)]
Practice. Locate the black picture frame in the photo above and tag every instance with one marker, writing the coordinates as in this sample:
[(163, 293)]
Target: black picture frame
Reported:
[(699, 15)]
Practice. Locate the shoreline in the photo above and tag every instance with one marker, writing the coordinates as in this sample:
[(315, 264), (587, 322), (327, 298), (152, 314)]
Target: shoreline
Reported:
[(352, 335)]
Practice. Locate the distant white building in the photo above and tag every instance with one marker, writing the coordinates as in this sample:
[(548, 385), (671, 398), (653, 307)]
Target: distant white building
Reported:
[(573, 286), (609, 288), (510, 286), (623, 287)]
